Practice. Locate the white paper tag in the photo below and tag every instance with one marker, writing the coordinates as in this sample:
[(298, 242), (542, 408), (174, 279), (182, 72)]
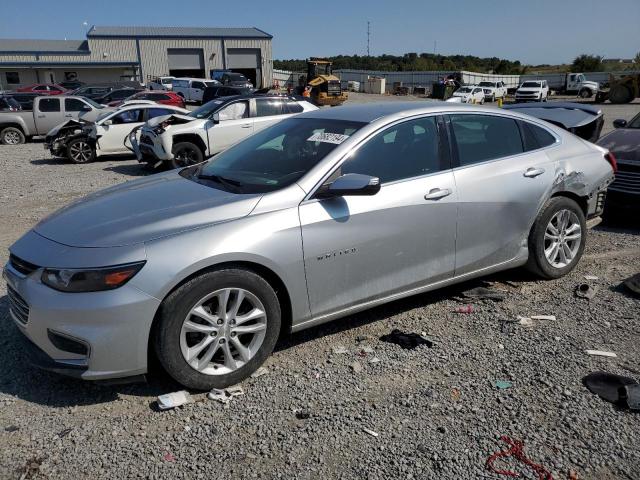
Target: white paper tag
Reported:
[(336, 138)]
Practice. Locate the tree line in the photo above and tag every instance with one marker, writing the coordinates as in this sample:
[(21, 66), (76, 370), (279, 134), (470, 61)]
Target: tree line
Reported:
[(412, 62), (430, 62)]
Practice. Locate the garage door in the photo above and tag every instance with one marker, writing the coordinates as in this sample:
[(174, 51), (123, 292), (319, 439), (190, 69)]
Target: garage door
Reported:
[(185, 59), (243, 58)]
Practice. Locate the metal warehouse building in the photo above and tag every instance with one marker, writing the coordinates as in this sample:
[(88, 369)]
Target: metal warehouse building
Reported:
[(137, 53)]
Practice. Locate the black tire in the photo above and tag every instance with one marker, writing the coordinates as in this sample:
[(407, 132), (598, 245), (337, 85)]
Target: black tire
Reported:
[(186, 154), (79, 150), (12, 136), (585, 93), (174, 310), (538, 262)]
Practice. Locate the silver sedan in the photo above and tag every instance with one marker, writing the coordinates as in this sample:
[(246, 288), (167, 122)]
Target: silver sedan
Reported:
[(319, 216)]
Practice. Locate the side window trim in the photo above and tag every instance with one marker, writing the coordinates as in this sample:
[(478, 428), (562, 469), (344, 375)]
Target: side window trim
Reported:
[(311, 195)]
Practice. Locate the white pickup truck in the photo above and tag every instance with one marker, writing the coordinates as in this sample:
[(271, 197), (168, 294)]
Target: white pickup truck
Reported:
[(493, 90), (192, 89), (48, 112)]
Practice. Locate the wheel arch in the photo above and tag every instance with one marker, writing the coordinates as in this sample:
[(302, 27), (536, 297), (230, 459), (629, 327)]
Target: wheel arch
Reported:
[(14, 125), (582, 202), (191, 138), (272, 278)]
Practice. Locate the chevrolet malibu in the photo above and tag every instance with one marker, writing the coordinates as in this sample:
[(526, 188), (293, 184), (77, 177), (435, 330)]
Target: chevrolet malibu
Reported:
[(314, 218)]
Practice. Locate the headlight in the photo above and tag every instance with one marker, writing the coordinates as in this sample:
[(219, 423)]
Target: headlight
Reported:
[(94, 280), (159, 129)]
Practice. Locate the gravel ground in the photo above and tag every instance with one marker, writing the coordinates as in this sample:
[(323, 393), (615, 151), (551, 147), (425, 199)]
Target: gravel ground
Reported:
[(436, 410)]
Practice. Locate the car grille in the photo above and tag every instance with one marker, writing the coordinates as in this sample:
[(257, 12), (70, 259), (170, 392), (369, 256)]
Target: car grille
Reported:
[(18, 307), (22, 266), (627, 178)]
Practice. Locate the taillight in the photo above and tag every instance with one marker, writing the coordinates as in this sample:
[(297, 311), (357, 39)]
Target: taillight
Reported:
[(609, 157)]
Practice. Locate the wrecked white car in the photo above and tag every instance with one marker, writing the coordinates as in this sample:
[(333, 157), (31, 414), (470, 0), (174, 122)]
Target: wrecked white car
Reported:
[(183, 140), (81, 141)]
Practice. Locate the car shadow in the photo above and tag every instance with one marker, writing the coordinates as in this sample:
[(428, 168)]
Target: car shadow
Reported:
[(21, 380), (132, 170), (49, 161), (382, 312)]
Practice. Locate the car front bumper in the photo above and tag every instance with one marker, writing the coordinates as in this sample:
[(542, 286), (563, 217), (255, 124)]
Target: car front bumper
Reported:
[(113, 326)]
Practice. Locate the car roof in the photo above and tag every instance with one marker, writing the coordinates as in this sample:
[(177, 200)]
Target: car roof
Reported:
[(371, 112)]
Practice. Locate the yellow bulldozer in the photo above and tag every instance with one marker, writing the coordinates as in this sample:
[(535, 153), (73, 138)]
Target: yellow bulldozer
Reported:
[(325, 86), (620, 90)]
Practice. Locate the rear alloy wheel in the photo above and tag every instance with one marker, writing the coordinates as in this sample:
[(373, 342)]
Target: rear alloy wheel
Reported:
[(80, 151), (186, 154), (217, 329), (11, 136), (557, 239)]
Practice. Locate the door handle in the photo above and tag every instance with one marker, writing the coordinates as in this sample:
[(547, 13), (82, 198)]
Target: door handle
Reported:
[(68, 115), (533, 172), (246, 126), (437, 193), (40, 116)]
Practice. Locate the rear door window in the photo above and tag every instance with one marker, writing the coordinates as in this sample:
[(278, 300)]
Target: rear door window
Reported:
[(479, 138), (199, 85), (535, 137), (49, 105), (158, 112), (293, 107), (267, 107)]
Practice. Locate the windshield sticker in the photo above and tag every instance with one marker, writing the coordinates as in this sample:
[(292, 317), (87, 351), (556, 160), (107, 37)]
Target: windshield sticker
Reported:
[(336, 138)]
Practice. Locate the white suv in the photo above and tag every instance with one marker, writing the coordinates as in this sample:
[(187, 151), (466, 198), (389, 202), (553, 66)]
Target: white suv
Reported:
[(182, 140), (536, 90)]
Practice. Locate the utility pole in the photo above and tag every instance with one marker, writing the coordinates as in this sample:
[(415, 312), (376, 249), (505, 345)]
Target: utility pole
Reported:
[(368, 37), (435, 43)]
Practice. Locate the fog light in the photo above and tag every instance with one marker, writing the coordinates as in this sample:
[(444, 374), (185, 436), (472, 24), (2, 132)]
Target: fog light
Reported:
[(68, 344)]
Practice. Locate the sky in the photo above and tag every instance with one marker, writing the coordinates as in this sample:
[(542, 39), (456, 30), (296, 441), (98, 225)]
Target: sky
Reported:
[(534, 31)]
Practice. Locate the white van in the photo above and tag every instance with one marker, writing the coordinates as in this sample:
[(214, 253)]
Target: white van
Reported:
[(191, 89)]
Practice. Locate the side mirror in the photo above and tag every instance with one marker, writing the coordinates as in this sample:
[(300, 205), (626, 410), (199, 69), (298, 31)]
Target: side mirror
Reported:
[(619, 123), (107, 122), (215, 118), (351, 184), (86, 108)]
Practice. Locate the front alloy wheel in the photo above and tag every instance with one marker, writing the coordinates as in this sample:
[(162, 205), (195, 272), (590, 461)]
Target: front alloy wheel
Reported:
[(217, 328), (79, 151), (223, 331)]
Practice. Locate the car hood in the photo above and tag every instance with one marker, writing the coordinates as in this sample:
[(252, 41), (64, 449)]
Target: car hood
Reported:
[(172, 119), (143, 210), (624, 143)]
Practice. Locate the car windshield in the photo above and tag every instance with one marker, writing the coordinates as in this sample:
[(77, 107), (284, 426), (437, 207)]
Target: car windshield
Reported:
[(531, 85), (274, 157), (464, 90), (206, 110), (486, 84), (166, 81), (236, 76), (211, 84)]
